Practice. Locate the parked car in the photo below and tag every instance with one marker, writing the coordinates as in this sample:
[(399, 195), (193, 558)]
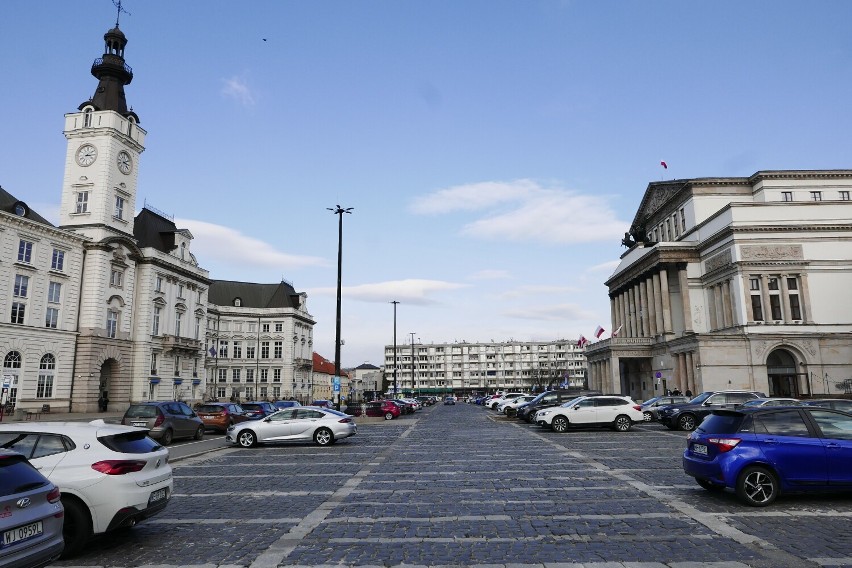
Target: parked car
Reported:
[(406, 407), (323, 403), (165, 420), (492, 404), (220, 415), (689, 415), (650, 406), (449, 400), (772, 401), (303, 423), (386, 408), (508, 407), (426, 400), (836, 403), (281, 404), (415, 404), (30, 514), (547, 399), (258, 410), (617, 412), (110, 476), (764, 451)]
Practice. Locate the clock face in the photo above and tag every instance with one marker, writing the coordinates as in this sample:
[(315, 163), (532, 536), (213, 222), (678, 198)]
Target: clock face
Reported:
[(86, 155), (125, 164)]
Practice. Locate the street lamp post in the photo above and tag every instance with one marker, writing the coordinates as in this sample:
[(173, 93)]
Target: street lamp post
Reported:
[(339, 211), (412, 364), (395, 387)]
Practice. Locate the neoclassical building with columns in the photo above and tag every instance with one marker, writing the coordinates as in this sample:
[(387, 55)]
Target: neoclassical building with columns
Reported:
[(734, 283)]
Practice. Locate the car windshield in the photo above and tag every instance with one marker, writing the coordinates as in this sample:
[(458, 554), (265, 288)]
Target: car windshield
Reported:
[(572, 401), (142, 411), (721, 423), (130, 443), (209, 408), (700, 398)]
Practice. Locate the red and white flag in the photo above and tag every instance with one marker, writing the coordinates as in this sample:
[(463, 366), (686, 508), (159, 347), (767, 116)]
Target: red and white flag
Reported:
[(599, 331), (616, 332), (665, 166), (582, 341)]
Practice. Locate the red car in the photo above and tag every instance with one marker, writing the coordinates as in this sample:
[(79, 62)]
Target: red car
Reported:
[(386, 408), (220, 415)]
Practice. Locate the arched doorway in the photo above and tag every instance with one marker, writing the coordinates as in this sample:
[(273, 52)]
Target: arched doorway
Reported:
[(785, 379), (105, 382)]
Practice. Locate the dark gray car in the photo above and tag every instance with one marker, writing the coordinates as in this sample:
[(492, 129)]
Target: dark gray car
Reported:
[(165, 420)]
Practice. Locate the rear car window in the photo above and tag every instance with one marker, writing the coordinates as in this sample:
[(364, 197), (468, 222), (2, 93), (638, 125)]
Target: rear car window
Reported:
[(209, 408), (721, 423), (130, 443), (781, 423), (247, 406), (142, 411), (17, 475)]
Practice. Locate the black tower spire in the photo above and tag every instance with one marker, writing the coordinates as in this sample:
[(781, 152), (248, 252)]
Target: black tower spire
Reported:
[(112, 74)]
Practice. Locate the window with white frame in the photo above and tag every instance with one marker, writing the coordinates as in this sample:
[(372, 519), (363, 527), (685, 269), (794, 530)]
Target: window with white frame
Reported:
[(82, 202), (177, 365), (115, 278), (178, 316), (238, 349), (276, 375), (249, 375), (844, 195), (180, 291), (221, 392), (18, 311), (787, 196), (265, 328), (235, 375), (46, 369), (57, 261), (774, 288), (153, 363), (249, 351), (158, 284), (264, 350), (682, 220), (197, 328), (793, 298), (51, 318), (22, 284), (279, 327), (155, 327), (223, 350), (25, 251), (112, 323), (54, 292), (119, 207), (756, 300), (264, 375), (278, 350), (223, 375)]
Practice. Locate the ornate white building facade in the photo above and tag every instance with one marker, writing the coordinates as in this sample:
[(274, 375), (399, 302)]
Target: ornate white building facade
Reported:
[(734, 283)]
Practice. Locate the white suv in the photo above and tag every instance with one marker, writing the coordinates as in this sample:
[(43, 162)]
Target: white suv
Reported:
[(615, 411), (110, 475)]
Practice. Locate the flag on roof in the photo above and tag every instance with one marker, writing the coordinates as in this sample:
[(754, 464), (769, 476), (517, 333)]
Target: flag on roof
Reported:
[(599, 331), (616, 332), (212, 351), (665, 166), (582, 341)]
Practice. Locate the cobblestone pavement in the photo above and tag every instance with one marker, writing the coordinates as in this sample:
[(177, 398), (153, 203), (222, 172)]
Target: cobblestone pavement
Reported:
[(461, 486)]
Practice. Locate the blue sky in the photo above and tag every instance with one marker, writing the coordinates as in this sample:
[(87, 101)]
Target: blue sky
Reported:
[(494, 151)]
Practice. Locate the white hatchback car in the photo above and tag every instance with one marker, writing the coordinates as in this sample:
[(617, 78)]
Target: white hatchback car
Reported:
[(110, 475), (617, 412)]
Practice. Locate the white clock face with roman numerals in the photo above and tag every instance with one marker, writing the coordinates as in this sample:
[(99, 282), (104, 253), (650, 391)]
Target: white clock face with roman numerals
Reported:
[(86, 155), (125, 164)]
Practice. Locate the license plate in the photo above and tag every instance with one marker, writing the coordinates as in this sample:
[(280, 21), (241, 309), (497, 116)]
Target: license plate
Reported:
[(140, 424), (699, 449), (22, 533), (158, 495)]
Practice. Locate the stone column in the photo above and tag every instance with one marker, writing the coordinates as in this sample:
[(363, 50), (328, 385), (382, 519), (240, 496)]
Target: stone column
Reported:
[(667, 304), (764, 297), (631, 301), (732, 298), (804, 298), (726, 303), (689, 384), (785, 299), (613, 315), (658, 303), (684, 294), (652, 311), (747, 297), (711, 307), (643, 310)]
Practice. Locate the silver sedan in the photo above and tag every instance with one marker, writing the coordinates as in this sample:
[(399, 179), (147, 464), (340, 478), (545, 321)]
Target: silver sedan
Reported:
[(300, 424)]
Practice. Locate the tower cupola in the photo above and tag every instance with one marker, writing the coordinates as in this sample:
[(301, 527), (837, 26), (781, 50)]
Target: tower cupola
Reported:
[(112, 74)]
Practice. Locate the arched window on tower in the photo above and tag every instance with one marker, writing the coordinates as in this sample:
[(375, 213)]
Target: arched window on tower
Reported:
[(87, 117)]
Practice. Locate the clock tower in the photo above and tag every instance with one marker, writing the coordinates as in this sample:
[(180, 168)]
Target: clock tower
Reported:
[(102, 158)]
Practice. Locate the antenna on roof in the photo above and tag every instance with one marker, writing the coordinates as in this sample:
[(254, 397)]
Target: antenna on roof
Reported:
[(120, 9)]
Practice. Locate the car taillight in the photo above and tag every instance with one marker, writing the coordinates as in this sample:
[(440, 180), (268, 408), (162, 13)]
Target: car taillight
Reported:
[(159, 421), (637, 407), (54, 496), (118, 467), (724, 444), (345, 420)]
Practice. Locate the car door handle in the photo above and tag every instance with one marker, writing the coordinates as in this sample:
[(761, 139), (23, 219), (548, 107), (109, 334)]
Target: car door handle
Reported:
[(772, 441), (833, 446)]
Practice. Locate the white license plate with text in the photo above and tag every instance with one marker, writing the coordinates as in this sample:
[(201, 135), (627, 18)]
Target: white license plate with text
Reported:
[(699, 449), (22, 533)]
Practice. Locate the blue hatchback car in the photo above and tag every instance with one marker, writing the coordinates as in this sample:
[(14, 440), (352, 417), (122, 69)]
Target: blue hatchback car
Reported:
[(761, 452)]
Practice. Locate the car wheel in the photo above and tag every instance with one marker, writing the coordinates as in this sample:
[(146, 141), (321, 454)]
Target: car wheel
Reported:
[(622, 423), (76, 528), (709, 485), (246, 438), (166, 438), (686, 422), (388, 415), (559, 424), (646, 416), (199, 434), (757, 486), (323, 437)]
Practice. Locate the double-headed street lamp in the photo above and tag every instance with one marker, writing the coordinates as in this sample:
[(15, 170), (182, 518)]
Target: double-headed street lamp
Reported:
[(395, 387), (339, 211)]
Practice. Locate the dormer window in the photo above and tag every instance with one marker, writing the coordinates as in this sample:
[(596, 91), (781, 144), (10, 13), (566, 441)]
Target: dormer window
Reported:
[(183, 251), (87, 117), (237, 302)]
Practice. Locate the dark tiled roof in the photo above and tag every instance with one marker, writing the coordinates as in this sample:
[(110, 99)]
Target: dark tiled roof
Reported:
[(8, 202), (252, 295), (366, 367), (153, 230)]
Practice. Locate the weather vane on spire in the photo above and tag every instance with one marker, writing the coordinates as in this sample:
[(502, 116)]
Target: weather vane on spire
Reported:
[(117, 4)]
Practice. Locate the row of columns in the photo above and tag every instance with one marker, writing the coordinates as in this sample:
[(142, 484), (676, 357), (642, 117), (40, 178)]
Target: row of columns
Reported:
[(600, 376), (645, 310), (684, 371), (722, 303), (786, 316)]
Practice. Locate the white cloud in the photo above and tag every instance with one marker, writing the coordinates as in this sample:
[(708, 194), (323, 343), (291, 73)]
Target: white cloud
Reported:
[(490, 275), (237, 88), (555, 312), (411, 291), (214, 243), (524, 211)]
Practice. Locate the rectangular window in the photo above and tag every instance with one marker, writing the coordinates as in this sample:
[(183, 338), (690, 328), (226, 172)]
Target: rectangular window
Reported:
[(249, 375), (119, 207), (775, 306), (221, 392), (235, 375), (265, 328), (45, 386), (54, 292), (264, 375), (773, 284), (279, 327), (82, 202), (795, 307), (112, 323), (676, 225), (58, 260), (250, 352), (683, 220), (177, 365), (18, 309), (21, 285), (278, 349), (792, 284), (115, 278), (754, 283), (276, 392), (238, 349), (668, 230), (223, 375), (264, 350), (756, 307), (51, 318), (198, 297), (844, 196), (153, 363), (276, 375), (158, 284), (178, 315), (180, 291), (816, 196), (252, 327), (25, 251), (223, 350), (786, 196), (197, 328), (155, 328)]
